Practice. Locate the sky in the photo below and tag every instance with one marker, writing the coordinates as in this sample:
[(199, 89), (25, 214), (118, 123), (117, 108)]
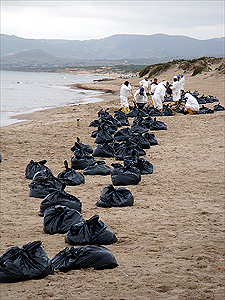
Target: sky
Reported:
[(85, 20)]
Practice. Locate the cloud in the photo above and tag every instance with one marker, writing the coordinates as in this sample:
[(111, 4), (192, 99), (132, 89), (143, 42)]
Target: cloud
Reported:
[(97, 19)]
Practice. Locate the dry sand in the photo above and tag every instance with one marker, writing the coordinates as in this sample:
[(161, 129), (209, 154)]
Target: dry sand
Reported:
[(170, 243)]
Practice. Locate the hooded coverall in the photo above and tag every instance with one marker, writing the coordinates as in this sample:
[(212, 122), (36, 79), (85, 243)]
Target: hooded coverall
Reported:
[(124, 92), (176, 91), (192, 104), (159, 94)]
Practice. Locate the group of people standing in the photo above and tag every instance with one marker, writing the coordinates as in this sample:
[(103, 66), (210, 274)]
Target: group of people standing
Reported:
[(157, 92)]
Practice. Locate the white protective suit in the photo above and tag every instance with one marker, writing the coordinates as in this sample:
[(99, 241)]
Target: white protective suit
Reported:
[(159, 94), (176, 90), (140, 98), (182, 82), (145, 83), (153, 87), (124, 93), (191, 103)]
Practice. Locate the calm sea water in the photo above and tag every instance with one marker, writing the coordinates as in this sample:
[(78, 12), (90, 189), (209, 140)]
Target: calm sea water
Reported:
[(26, 92)]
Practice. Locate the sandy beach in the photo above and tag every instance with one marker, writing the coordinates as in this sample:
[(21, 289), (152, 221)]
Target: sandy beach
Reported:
[(170, 243)]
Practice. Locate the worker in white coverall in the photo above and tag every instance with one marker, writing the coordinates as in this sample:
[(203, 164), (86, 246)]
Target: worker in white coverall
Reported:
[(182, 82), (124, 93), (159, 94), (145, 83), (191, 105), (175, 90), (140, 98)]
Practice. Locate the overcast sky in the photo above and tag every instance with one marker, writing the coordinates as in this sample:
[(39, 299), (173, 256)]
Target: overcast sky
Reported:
[(84, 20)]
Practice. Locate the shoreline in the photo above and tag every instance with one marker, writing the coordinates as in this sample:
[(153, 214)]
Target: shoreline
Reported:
[(170, 242)]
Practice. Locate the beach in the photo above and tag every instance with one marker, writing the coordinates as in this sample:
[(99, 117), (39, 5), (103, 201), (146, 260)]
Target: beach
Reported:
[(170, 243)]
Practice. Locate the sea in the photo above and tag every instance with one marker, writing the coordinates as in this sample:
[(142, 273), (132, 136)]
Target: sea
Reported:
[(27, 92)]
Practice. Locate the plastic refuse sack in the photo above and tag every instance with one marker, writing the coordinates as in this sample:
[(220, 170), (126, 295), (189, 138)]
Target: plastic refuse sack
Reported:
[(154, 112), (122, 134), (127, 175), (123, 149), (58, 219), (98, 168), (70, 176), (78, 145), (144, 166), (80, 161), (60, 198), (115, 197), (121, 117), (205, 110), (33, 167), (167, 111), (89, 256), (148, 121), (103, 136), (44, 183), (158, 125), (140, 140), (104, 150), (151, 138), (138, 128), (90, 232), (218, 107), (28, 262), (94, 123)]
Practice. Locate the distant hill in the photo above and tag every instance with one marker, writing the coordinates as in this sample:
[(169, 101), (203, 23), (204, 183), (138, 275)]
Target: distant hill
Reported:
[(121, 47)]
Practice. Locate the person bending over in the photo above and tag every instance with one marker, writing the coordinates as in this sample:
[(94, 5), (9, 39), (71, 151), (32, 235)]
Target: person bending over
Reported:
[(140, 97)]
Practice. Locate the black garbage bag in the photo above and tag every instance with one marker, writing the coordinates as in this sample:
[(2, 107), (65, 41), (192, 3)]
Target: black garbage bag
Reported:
[(103, 136), (138, 128), (151, 138), (139, 120), (44, 183), (60, 198), (90, 232), (148, 122), (167, 111), (33, 167), (132, 112), (213, 98), (154, 112), (123, 149), (94, 123), (89, 256), (127, 175), (169, 90), (205, 110), (58, 219), (28, 262), (122, 134), (115, 197), (168, 99), (144, 166), (103, 150), (158, 125), (94, 133), (70, 176), (218, 107), (98, 168), (78, 145), (80, 160), (140, 140), (121, 117)]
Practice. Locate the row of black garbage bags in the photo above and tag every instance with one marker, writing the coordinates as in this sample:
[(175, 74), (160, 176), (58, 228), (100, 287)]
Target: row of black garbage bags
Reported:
[(62, 214)]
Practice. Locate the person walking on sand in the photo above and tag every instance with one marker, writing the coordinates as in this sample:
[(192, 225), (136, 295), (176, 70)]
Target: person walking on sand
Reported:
[(124, 93), (175, 87), (140, 98), (182, 82), (154, 86), (191, 106), (145, 83), (159, 94)]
